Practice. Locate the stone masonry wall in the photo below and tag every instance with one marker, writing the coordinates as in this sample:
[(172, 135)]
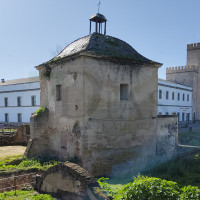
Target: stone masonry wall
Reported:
[(90, 123), (167, 129), (20, 137)]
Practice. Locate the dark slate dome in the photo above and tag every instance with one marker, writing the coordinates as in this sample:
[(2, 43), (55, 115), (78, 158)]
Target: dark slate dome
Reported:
[(102, 45), (98, 17)]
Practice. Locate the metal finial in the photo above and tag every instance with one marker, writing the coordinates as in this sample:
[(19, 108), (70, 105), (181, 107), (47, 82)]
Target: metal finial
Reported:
[(99, 4)]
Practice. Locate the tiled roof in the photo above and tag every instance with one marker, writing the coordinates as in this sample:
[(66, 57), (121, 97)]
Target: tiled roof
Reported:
[(102, 45), (20, 81)]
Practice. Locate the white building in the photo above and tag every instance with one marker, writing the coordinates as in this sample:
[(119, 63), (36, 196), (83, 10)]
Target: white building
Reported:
[(19, 99), (174, 98)]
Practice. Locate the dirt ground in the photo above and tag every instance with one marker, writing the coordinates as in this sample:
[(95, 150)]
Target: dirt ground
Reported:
[(11, 151)]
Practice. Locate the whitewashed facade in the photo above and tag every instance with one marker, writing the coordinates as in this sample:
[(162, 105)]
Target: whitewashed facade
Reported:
[(19, 99), (175, 98)]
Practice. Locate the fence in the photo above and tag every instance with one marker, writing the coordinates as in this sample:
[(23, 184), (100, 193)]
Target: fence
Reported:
[(9, 127), (17, 182)]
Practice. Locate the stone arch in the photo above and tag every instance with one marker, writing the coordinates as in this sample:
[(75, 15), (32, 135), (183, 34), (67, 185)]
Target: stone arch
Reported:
[(67, 180)]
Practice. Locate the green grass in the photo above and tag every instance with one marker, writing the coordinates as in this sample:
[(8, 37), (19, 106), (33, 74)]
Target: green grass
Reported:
[(189, 138), (18, 163), (9, 130), (24, 195), (184, 171), (10, 159), (6, 165)]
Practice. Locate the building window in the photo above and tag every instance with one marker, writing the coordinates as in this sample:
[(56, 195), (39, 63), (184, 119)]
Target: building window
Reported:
[(6, 117), (160, 94), (33, 100), (188, 97), (124, 92), (183, 117), (167, 95), (183, 97), (172, 95), (58, 92), (178, 114), (178, 97), (6, 101), (188, 117), (19, 102), (19, 117)]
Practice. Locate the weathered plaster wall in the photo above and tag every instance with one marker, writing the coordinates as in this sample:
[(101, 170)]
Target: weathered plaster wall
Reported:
[(167, 129), (119, 131), (91, 123)]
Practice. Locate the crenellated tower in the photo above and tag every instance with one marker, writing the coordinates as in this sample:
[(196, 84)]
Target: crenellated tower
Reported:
[(193, 54), (189, 75)]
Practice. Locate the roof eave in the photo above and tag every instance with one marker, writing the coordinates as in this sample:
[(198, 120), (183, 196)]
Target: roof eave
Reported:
[(52, 63)]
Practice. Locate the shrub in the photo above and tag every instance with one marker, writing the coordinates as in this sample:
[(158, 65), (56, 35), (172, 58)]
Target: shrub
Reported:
[(146, 188), (151, 188), (105, 186), (190, 192)]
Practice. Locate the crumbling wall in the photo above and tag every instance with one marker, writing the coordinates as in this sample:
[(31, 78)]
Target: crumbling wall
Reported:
[(167, 130), (18, 179), (22, 136), (90, 123), (38, 143)]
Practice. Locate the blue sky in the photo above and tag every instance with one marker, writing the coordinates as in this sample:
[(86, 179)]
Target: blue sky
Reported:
[(31, 31)]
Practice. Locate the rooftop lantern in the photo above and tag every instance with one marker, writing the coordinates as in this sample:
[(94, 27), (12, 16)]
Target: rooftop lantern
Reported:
[(99, 19)]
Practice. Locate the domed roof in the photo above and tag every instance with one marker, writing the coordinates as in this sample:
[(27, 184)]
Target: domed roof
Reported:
[(102, 45), (98, 17)]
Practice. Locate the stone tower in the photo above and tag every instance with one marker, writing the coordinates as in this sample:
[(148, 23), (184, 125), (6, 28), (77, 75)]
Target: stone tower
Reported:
[(189, 75)]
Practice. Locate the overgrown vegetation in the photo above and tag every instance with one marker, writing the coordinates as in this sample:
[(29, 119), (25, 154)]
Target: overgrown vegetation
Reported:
[(151, 188), (39, 111), (176, 179), (184, 170), (189, 138), (18, 163), (24, 195)]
